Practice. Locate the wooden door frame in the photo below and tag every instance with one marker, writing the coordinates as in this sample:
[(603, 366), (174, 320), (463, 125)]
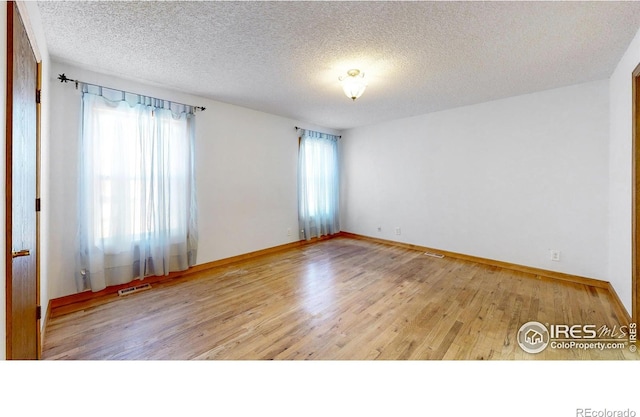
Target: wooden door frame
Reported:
[(635, 195), (38, 172), (11, 5)]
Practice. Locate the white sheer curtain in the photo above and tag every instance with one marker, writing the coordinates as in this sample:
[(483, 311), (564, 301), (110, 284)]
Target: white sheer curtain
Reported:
[(137, 203), (318, 184)]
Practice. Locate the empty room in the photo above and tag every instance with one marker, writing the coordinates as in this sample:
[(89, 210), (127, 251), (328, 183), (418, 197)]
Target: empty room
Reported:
[(320, 180)]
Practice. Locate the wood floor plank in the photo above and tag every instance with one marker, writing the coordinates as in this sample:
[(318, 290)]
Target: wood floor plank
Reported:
[(339, 299)]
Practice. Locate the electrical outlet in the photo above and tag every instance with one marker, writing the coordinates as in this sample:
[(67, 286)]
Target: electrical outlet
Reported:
[(554, 255), (398, 231), (289, 232), (379, 229)]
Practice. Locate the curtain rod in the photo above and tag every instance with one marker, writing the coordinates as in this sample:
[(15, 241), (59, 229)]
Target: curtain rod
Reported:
[(338, 136), (64, 79)]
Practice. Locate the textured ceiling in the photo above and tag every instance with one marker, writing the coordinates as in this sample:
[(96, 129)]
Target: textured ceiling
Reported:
[(285, 57)]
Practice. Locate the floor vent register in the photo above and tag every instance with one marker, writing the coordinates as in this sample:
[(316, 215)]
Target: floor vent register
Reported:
[(131, 290)]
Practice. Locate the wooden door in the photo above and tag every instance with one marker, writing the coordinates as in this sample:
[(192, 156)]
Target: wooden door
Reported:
[(22, 286)]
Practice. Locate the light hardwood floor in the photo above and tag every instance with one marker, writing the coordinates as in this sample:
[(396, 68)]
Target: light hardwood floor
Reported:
[(335, 299)]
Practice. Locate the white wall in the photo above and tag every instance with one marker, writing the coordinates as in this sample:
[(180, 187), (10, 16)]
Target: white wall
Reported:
[(505, 180), (620, 158), (246, 175)]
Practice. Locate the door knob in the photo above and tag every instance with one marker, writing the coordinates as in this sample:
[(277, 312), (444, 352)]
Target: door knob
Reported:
[(23, 252)]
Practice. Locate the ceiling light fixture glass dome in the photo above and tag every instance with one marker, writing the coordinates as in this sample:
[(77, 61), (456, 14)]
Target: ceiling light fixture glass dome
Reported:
[(353, 83)]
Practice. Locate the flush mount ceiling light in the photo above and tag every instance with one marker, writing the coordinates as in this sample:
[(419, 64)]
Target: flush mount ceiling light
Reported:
[(353, 83)]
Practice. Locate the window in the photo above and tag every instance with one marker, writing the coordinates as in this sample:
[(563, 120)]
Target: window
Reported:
[(318, 184), (137, 191), (119, 179)]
